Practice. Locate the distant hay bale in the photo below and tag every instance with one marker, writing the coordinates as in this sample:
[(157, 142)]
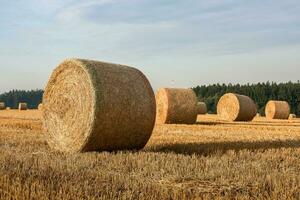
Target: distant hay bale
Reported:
[(258, 115), (2, 106), (96, 106), (40, 106), (201, 108), (176, 106), (292, 116), (235, 107), (277, 110), (8, 108), (22, 106)]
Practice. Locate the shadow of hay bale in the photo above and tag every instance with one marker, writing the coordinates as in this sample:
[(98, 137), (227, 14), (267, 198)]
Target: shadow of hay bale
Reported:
[(264, 123), (209, 123), (212, 148)]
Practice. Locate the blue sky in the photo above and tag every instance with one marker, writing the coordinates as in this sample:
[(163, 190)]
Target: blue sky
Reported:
[(175, 43)]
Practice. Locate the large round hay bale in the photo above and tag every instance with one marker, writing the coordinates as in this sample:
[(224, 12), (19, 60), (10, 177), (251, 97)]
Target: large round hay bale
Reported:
[(2, 106), (292, 116), (40, 107), (235, 107), (277, 110), (22, 106), (201, 108), (176, 106), (96, 106)]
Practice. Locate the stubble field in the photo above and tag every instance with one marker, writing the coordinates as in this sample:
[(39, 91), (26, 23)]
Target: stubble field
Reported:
[(209, 160)]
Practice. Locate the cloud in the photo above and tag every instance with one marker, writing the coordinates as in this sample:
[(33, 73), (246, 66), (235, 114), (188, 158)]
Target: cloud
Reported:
[(77, 10), (157, 28), (201, 27), (138, 11), (166, 37)]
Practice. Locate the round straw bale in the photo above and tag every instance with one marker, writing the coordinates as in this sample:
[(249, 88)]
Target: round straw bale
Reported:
[(277, 110), (40, 106), (22, 106), (8, 108), (96, 106), (235, 107), (2, 106), (176, 106), (292, 116), (201, 108)]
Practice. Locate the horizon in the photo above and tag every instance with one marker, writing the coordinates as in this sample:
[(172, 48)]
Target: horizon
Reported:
[(174, 43), (207, 85)]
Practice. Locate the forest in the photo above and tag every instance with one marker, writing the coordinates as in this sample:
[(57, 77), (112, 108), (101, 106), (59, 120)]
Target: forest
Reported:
[(261, 93), (32, 97)]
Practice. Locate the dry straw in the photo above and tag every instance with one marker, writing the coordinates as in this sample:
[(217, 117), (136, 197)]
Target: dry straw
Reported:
[(96, 106), (201, 108), (40, 107), (22, 106), (235, 107), (292, 116), (176, 106), (2, 106), (277, 110)]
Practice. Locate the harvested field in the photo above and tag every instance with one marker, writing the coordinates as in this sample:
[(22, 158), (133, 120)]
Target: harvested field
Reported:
[(17, 114), (210, 159)]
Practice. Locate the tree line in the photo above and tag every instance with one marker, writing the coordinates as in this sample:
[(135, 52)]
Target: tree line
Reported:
[(261, 93), (32, 97)]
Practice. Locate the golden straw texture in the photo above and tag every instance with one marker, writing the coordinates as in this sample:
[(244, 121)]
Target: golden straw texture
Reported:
[(176, 106), (40, 106), (2, 106), (292, 116), (201, 108), (277, 110), (96, 106), (22, 106), (235, 107)]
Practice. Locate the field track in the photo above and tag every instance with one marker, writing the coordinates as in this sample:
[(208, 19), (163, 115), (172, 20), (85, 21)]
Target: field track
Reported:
[(211, 159)]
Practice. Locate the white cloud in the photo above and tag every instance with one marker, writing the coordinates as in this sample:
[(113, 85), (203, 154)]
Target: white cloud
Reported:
[(76, 10), (182, 40)]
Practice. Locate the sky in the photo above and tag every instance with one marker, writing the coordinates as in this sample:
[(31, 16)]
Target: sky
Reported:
[(176, 43)]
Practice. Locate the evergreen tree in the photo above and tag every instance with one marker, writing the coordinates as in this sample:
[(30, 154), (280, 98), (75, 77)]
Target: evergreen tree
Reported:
[(261, 93), (12, 98)]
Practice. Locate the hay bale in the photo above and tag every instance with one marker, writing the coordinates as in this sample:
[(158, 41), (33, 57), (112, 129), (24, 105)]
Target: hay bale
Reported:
[(277, 110), (176, 106), (201, 108), (258, 115), (292, 116), (96, 106), (22, 106), (2, 106), (235, 107), (8, 108), (40, 107)]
